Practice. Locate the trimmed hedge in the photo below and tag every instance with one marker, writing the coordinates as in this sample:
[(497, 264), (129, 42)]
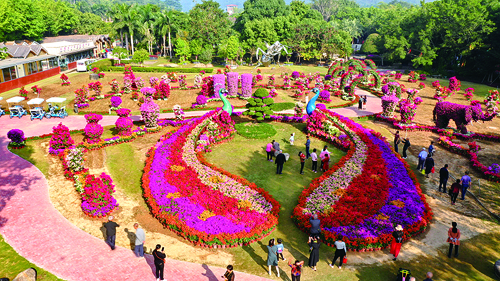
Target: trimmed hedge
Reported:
[(251, 130), (102, 63), (157, 69), (280, 106)]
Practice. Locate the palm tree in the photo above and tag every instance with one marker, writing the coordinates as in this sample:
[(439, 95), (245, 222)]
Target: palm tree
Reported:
[(165, 22), (132, 19), (118, 14)]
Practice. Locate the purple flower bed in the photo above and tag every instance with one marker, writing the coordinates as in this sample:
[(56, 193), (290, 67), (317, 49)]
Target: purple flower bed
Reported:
[(219, 83), (232, 83), (115, 101), (16, 136), (246, 85)]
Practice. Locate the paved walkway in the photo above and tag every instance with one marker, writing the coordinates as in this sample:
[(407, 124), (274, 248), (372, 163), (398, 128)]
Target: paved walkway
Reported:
[(38, 232)]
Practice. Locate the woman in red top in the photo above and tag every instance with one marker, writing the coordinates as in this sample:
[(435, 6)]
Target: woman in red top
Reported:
[(302, 162), (453, 239), (296, 269), (325, 161), (454, 190)]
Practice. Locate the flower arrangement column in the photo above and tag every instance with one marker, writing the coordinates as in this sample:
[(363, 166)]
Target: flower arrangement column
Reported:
[(246, 85), (150, 112), (219, 82), (93, 131), (232, 83), (124, 122)]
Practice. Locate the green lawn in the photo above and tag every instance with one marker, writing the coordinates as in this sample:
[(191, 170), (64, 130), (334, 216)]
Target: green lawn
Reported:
[(127, 176), (11, 264), (34, 153), (481, 89)]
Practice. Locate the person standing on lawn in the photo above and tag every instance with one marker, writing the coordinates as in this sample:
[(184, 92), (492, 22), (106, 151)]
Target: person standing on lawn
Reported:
[(421, 159), (140, 238), (314, 159), (431, 148), (340, 252), (270, 152), (292, 138), (314, 243), (406, 145), (308, 145), (454, 190), (272, 256), (429, 165), (276, 147), (397, 240), (315, 225), (280, 160), (302, 157), (444, 174), (453, 239), (465, 184), (325, 161), (111, 232), (296, 269), (397, 140)]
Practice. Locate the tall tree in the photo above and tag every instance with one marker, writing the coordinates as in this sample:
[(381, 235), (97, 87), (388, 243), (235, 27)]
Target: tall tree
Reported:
[(260, 9), (165, 23), (209, 23)]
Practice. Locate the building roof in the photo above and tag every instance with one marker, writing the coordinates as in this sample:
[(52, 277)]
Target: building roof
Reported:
[(22, 50), (65, 47), (13, 61), (77, 38)]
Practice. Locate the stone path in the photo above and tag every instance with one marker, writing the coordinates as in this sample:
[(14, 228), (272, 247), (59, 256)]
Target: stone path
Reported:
[(38, 232)]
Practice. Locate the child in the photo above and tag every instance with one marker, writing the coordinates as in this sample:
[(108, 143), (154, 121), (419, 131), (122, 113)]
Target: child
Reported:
[(296, 269), (292, 138), (302, 157), (314, 158), (281, 248)]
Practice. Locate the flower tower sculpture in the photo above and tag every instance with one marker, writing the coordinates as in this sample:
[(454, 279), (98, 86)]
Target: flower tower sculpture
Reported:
[(124, 122), (232, 83), (178, 112), (246, 85), (219, 83), (389, 103), (259, 106), (93, 131), (150, 112)]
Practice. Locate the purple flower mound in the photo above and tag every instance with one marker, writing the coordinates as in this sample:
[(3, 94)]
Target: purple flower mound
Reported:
[(124, 123), (16, 136), (385, 89), (246, 85), (219, 82), (295, 75), (328, 77), (321, 106), (116, 101), (325, 96), (201, 100), (494, 168)]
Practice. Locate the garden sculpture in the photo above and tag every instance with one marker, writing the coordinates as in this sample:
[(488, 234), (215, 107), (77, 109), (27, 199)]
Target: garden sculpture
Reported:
[(461, 114), (311, 105), (227, 106), (272, 50)]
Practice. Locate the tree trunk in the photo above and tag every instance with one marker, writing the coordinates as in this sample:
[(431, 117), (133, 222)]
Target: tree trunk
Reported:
[(169, 45), (132, 42), (121, 36), (164, 46), (126, 44)]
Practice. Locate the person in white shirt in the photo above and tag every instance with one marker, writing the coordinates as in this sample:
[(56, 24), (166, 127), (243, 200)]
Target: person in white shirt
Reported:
[(140, 238), (292, 138), (340, 252), (314, 159), (421, 159)]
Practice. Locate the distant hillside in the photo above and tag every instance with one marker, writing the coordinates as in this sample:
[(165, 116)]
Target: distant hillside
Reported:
[(188, 4)]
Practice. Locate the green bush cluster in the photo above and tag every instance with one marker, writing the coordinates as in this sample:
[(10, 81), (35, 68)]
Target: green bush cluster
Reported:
[(259, 105), (255, 130)]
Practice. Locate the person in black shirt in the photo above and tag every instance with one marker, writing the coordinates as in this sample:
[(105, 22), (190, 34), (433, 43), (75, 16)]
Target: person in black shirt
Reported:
[(443, 177), (229, 275), (429, 164), (406, 145), (280, 160), (315, 225), (111, 232), (159, 257)]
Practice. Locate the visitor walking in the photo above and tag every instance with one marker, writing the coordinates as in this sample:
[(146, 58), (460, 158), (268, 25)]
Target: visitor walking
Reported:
[(276, 147), (111, 232), (429, 276), (314, 243), (465, 184), (397, 140), (229, 275), (292, 138), (270, 151), (431, 149), (272, 257), (429, 165), (406, 145), (360, 103), (365, 100), (302, 157), (140, 238), (281, 248), (315, 225), (308, 145), (453, 239), (159, 260), (421, 159), (397, 240), (314, 159), (444, 174), (340, 252), (296, 269), (280, 160), (454, 190)]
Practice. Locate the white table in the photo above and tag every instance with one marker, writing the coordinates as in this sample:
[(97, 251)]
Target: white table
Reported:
[(35, 101), (56, 100), (15, 100)]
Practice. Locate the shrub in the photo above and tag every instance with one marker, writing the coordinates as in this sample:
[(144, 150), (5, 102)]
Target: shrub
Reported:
[(115, 102), (93, 131), (325, 96), (97, 199), (60, 140), (255, 130), (295, 75), (16, 137), (201, 100), (124, 123), (259, 106), (150, 112)]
